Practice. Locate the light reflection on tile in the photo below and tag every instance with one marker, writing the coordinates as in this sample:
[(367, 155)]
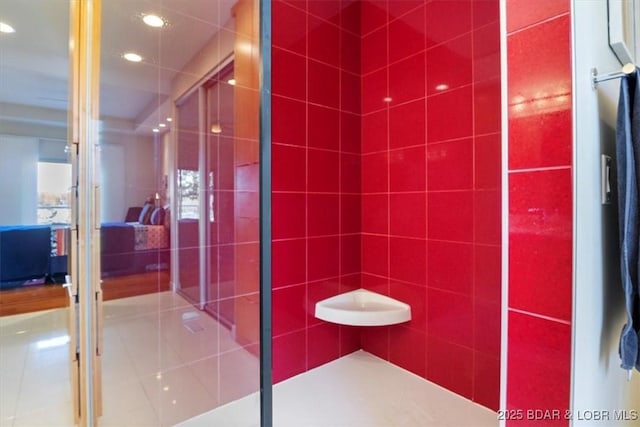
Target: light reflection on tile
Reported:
[(155, 371)]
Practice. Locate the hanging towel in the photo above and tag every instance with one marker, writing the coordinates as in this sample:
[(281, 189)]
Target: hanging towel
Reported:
[(628, 157)]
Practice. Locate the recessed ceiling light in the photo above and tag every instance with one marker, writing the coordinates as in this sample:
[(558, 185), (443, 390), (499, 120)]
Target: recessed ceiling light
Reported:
[(162, 125), (387, 99), (442, 86), (216, 128), (6, 28), (232, 82), (155, 130), (154, 21), (133, 57), (169, 119)]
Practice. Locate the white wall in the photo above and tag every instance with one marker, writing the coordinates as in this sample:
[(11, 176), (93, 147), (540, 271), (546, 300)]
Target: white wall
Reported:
[(129, 172), (598, 382), (18, 180)]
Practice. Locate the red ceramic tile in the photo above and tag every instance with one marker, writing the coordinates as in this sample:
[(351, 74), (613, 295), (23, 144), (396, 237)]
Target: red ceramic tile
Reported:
[(288, 72), (540, 242), (486, 381), (449, 115), (350, 16), (486, 52), (374, 90), (289, 314), (400, 8), (450, 266), (289, 27), (289, 355), (486, 102), (488, 155), (407, 125), (350, 96), (324, 41), (488, 217), (350, 52), (288, 121), (450, 317), (288, 168), (416, 297), (329, 10), (375, 254), (522, 13), (289, 262), (375, 168), (323, 261), (408, 214), (487, 331), (375, 340), (540, 140), (289, 211), (324, 214), (247, 177), (323, 127), (450, 165), (374, 51), (375, 132), (349, 339), (350, 254), (375, 213), (406, 79), (539, 361), (450, 65), (318, 291), (375, 283), (541, 103), (323, 344), (440, 26), (487, 273), (324, 84), (300, 4), (485, 12), (350, 131), (374, 14), (450, 366), (323, 171), (350, 213), (408, 260), (407, 349), (350, 173), (450, 216), (406, 34), (407, 169)]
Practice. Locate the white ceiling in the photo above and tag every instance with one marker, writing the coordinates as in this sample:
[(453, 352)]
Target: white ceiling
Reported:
[(34, 60)]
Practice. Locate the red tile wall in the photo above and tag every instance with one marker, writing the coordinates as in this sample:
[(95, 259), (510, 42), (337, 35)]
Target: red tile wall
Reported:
[(540, 207), (316, 177), (431, 187), (401, 196)]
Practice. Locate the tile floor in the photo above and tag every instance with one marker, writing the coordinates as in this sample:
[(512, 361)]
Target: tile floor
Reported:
[(156, 372), (358, 390)]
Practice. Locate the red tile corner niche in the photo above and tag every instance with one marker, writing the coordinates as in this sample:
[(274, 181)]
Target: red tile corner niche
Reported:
[(386, 175)]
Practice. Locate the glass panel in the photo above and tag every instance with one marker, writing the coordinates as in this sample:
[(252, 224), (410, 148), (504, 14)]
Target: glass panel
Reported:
[(179, 209), (35, 380)]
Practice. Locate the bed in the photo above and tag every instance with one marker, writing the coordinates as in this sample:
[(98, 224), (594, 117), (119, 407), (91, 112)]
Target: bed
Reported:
[(35, 254)]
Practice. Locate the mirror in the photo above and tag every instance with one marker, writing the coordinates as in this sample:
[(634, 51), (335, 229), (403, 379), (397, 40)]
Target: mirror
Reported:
[(623, 28)]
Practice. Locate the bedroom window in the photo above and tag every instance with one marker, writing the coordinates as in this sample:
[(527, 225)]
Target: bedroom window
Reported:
[(188, 194), (54, 195)]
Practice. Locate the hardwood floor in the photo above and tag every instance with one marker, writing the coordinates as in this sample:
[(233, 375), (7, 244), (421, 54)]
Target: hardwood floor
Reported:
[(44, 297)]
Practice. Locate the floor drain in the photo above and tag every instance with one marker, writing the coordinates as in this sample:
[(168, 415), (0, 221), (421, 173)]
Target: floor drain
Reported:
[(190, 321)]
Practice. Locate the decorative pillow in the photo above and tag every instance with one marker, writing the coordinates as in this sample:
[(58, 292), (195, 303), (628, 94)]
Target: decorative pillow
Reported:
[(145, 214), (157, 217)]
